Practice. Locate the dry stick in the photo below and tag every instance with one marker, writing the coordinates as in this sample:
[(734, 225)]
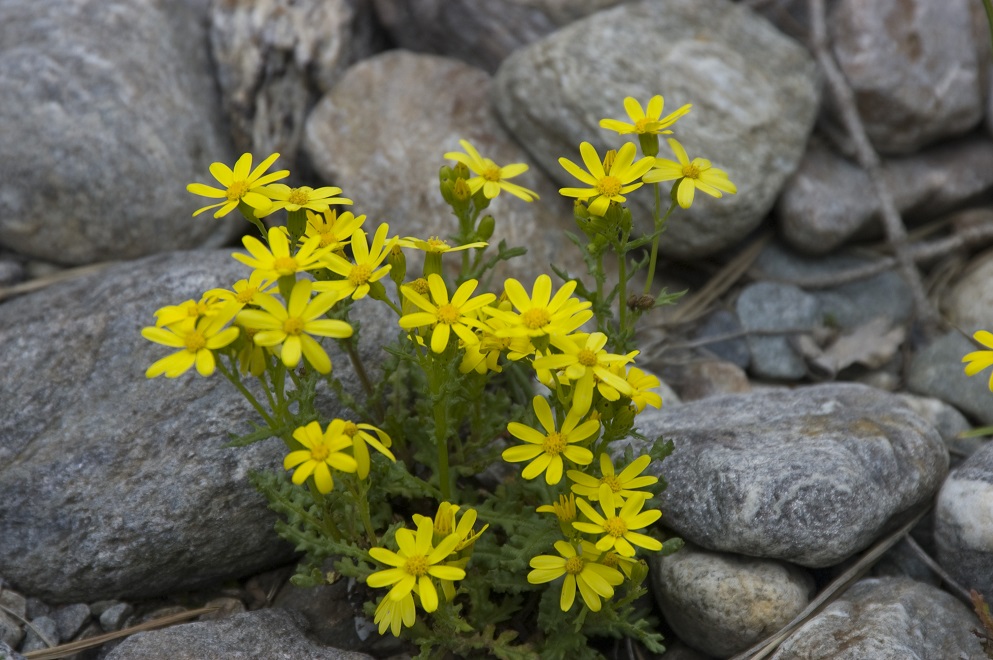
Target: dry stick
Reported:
[(831, 592), (30, 625), (896, 233), (92, 642), (949, 581)]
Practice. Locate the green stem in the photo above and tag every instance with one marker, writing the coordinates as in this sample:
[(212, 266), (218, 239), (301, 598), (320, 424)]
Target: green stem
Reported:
[(360, 492), (437, 382), (236, 381), (988, 6), (622, 266), (360, 371), (659, 228), (322, 502)]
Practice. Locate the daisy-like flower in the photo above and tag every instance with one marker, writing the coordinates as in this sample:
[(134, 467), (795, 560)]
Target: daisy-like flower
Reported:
[(334, 230), (619, 528), (321, 451), (196, 339), (485, 355), (240, 184), (362, 436), (541, 314), (304, 197), (251, 356), (208, 305), (435, 245), (394, 614), (545, 450), (647, 121), (416, 562), (367, 267), (595, 581), (443, 315), (585, 362), (979, 360), (444, 524), (292, 325), (564, 509), (606, 186), (244, 292), (623, 485), (643, 386), (276, 261), (690, 176), (491, 177)]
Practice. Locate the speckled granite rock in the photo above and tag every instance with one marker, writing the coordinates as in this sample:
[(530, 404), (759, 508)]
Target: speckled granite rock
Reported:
[(809, 475)]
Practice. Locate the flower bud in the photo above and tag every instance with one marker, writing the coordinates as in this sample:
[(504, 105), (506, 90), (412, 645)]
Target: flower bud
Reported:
[(398, 264), (461, 191), (608, 160), (460, 171), (486, 227)]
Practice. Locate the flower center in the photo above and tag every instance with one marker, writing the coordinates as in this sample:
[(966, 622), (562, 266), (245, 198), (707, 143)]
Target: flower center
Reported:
[(417, 565), (350, 429), (293, 326), (360, 274), (237, 190), (436, 244), (535, 318), (195, 341), (643, 125), (574, 565), (615, 527), (554, 444), (327, 239), (492, 174), (609, 186), (284, 265), (691, 171), (587, 358), (610, 560), (420, 285), (319, 453), (245, 295), (611, 481), (447, 314), (298, 196)]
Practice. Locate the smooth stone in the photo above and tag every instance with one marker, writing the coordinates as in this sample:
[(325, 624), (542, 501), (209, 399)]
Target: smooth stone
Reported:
[(389, 164), (912, 66), (887, 619), (85, 425), (720, 323), (767, 306), (113, 617), (937, 371), (273, 58), (722, 604), (109, 109), (479, 33), (830, 201), (947, 421), (267, 633), (969, 304), (964, 523), (43, 633), (810, 475), (701, 378), (14, 603), (755, 94), (7, 653), (70, 619), (11, 632)]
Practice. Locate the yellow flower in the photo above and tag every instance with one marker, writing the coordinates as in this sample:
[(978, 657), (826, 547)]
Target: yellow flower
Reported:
[(292, 325), (366, 268), (320, 451), (361, 436), (979, 360), (304, 197), (435, 245), (619, 528), (646, 122), (394, 614), (240, 184), (244, 292), (623, 485), (491, 177), (208, 305), (585, 362), (275, 261), (545, 450), (595, 581), (564, 509), (251, 356), (642, 386), (196, 339), (541, 314), (605, 186), (690, 176), (484, 355), (417, 561), (445, 316), (335, 231), (445, 524)]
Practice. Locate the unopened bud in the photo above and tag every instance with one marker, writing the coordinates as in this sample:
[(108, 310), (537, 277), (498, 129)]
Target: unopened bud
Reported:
[(641, 303), (486, 227), (398, 264), (461, 190), (460, 171), (608, 160)]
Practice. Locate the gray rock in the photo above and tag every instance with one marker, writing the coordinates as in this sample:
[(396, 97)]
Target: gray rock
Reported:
[(480, 33), (887, 619), (947, 421), (912, 66), (43, 633), (11, 271), (720, 323), (108, 108), (701, 378), (388, 161), (766, 306), (937, 371), (109, 481), (963, 524), (810, 475), (722, 604), (273, 56), (11, 632), (830, 200), (267, 633), (113, 617), (226, 606), (969, 303), (846, 306), (14, 603), (7, 653), (70, 619), (754, 92), (329, 612), (37, 607)]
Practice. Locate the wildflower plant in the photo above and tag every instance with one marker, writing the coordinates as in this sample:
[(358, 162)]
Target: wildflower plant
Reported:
[(436, 493)]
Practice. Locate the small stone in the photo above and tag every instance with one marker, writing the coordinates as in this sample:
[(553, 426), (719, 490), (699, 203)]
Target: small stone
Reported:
[(99, 607), (766, 306), (226, 607), (699, 379), (328, 611), (37, 607), (113, 617), (8, 653), (43, 633), (937, 371), (15, 603), (969, 304), (11, 631), (70, 619), (11, 272), (721, 323)]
